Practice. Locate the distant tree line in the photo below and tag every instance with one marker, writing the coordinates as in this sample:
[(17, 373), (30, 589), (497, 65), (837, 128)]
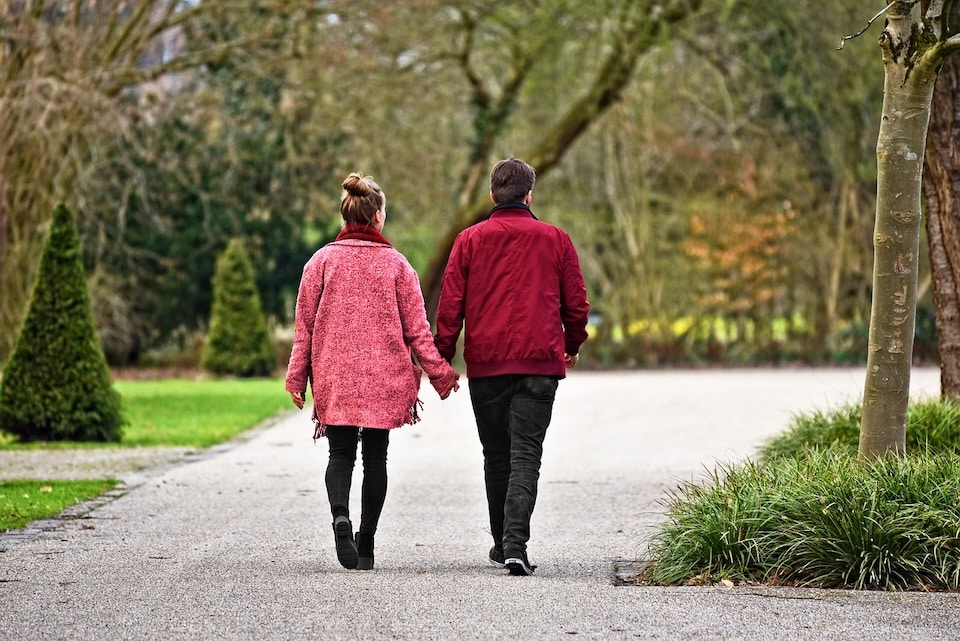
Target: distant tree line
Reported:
[(714, 161)]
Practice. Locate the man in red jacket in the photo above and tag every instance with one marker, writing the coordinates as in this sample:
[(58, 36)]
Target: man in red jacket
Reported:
[(514, 284)]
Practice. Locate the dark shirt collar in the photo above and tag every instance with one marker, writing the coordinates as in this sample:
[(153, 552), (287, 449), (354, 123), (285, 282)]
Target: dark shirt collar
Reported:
[(514, 206)]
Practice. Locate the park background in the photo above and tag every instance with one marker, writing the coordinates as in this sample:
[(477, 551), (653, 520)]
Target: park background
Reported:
[(714, 161), (721, 165)]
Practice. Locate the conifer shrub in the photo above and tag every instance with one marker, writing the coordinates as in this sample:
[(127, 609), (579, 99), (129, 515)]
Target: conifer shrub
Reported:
[(238, 343), (56, 385)]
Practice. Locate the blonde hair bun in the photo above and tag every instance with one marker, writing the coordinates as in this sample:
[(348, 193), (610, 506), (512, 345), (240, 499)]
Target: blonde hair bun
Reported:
[(357, 184), (360, 200)]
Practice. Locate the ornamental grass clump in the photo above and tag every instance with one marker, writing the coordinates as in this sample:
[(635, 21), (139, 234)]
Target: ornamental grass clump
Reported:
[(890, 524), (933, 425), (820, 519), (809, 512), (714, 529)]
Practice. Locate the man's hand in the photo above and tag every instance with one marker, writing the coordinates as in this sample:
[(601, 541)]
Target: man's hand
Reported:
[(453, 387), (571, 361), (297, 398)]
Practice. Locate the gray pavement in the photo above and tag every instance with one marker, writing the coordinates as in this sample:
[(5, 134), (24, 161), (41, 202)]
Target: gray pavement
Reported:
[(237, 544)]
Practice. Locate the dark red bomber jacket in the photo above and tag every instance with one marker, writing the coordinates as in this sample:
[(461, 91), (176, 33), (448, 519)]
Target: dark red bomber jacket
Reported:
[(514, 284)]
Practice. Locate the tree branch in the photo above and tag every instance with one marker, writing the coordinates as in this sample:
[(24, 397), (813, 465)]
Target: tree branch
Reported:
[(869, 24), (609, 83), (951, 45), (141, 13), (491, 113), (480, 95)]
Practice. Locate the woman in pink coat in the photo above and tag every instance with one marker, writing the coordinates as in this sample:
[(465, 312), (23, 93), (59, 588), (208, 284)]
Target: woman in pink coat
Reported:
[(361, 331)]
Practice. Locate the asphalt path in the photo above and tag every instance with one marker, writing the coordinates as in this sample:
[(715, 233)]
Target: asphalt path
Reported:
[(237, 544)]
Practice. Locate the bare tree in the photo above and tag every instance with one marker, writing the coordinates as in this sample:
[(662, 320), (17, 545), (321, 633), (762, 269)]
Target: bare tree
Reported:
[(637, 26), (915, 42), (72, 71)]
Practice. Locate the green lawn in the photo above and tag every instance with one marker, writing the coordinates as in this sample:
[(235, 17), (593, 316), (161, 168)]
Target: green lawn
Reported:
[(171, 412), (185, 412), (30, 500), (197, 413)]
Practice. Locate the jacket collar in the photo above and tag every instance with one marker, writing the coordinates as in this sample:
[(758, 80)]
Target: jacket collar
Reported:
[(511, 206), (362, 232)]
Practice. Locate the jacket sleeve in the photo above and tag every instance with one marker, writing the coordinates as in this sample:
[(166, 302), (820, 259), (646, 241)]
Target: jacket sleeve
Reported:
[(416, 330), (450, 308), (299, 371), (574, 306)]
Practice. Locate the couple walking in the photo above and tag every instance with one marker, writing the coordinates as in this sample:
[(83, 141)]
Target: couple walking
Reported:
[(513, 284)]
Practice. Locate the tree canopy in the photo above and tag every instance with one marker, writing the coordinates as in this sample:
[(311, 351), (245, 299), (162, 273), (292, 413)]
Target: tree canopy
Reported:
[(711, 158)]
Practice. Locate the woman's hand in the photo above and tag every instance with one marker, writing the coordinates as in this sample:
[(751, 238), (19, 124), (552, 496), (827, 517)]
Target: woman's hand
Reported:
[(297, 398)]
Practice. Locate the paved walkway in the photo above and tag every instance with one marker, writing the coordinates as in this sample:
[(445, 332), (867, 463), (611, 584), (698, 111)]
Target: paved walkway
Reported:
[(107, 462), (237, 544)]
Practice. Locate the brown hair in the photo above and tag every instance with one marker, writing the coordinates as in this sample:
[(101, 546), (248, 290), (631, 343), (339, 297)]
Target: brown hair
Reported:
[(360, 200), (511, 180)]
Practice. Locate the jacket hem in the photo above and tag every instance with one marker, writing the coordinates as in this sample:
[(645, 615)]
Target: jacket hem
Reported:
[(531, 368)]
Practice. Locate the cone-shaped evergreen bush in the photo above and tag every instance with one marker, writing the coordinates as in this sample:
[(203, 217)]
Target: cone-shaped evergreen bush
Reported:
[(238, 342), (56, 385)]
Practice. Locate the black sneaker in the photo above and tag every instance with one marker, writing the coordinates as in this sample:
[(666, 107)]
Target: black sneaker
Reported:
[(496, 557), (518, 564), (346, 546)]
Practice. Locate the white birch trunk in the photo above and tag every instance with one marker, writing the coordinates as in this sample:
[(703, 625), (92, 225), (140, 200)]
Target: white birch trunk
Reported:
[(909, 76)]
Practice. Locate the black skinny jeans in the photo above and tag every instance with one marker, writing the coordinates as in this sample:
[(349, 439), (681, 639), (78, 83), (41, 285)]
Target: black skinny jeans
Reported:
[(343, 455), (512, 413)]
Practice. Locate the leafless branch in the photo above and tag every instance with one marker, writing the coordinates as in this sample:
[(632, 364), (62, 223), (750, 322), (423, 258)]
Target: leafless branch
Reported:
[(480, 94), (869, 24)]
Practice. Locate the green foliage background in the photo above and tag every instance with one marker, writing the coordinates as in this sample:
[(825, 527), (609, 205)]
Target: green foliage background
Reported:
[(56, 385), (730, 189)]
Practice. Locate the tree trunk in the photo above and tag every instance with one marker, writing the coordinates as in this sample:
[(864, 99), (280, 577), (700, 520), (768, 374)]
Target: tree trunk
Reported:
[(941, 187), (908, 91), (846, 202)]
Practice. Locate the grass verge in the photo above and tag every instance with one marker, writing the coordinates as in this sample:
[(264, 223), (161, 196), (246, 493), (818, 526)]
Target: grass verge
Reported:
[(29, 500), (197, 413), (186, 413), (171, 412), (932, 426)]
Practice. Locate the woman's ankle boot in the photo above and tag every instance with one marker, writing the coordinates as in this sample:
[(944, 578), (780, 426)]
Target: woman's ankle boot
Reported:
[(365, 551), (346, 546)]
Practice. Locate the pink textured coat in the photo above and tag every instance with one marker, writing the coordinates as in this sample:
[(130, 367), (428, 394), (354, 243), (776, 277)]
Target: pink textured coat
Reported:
[(360, 313)]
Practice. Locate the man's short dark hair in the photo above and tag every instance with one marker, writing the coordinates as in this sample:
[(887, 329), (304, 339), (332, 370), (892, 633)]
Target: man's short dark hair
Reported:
[(511, 180)]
